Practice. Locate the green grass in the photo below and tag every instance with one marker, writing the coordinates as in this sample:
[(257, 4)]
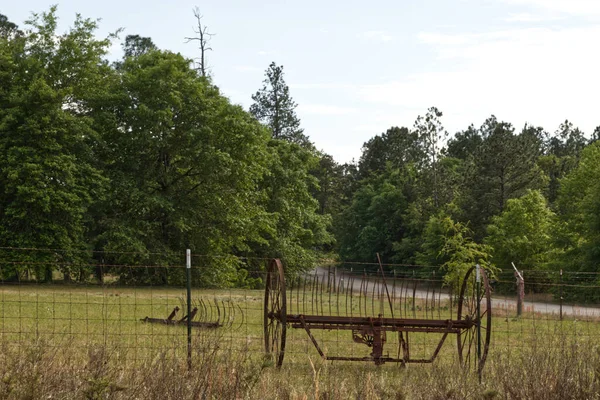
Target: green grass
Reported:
[(91, 341)]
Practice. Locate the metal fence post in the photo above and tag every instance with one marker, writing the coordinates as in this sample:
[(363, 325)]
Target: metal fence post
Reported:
[(188, 269), (478, 321), (561, 294)]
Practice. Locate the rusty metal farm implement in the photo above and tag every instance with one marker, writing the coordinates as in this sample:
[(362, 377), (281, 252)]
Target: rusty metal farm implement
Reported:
[(370, 310), (207, 314)]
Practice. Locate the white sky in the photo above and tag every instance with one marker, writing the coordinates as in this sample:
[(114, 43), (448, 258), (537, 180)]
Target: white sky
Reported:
[(356, 68)]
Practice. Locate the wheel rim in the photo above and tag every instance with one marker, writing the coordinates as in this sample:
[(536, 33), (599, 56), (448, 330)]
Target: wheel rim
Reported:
[(467, 310), (275, 312)]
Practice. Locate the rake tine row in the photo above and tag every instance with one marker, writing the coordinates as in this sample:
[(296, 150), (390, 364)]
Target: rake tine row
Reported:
[(205, 314), (397, 294), (410, 309)]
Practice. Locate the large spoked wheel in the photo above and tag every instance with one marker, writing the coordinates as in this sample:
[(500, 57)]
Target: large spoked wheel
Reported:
[(467, 340), (275, 312)]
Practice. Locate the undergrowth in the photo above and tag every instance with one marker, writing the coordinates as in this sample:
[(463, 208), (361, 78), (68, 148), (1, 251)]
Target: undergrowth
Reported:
[(565, 368)]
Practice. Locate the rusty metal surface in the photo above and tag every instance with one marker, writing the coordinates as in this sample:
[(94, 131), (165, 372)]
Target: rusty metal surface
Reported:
[(367, 308), (205, 314)]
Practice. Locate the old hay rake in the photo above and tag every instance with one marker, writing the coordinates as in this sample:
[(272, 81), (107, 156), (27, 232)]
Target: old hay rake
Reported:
[(370, 309), (208, 314)]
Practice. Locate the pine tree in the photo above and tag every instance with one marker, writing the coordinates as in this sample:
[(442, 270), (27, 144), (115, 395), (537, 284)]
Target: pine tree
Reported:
[(274, 107)]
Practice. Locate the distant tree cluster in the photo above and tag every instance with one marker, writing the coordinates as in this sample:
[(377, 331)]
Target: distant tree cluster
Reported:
[(140, 159), (489, 195), (136, 160)]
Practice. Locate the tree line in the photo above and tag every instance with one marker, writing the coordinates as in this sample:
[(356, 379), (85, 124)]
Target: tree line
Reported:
[(132, 161)]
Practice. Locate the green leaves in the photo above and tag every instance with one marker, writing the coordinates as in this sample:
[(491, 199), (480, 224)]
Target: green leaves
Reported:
[(184, 163), (579, 206), (274, 107), (144, 158), (48, 177), (523, 233)]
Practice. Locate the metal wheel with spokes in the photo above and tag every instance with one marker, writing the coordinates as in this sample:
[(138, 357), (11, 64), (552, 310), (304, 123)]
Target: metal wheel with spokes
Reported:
[(275, 312), (468, 300)]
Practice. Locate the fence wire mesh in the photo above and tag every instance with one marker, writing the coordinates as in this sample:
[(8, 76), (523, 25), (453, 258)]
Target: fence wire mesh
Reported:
[(138, 310)]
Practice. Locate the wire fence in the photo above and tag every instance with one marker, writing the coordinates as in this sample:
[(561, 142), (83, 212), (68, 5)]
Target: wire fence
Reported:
[(140, 309)]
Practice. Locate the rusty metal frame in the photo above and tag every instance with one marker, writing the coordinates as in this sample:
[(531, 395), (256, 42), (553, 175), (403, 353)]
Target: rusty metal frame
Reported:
[(369, 330)]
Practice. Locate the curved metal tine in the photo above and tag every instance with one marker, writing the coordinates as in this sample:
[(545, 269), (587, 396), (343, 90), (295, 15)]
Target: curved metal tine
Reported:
[(427, 297), (317, 294), (304, 295), (319, 291), (350, 288), (242, 317), (406, 296), (194, 305), (386, 300), (403, 300), (433, 294), (329, 280), (360, 297), (414, 295), (346, 295), (438, 294), (208, 309), (440, 303), (231, 313), (337, 293), (226, 313), (380, 294), (322, 286), (394, 290), (226, 307), (312, 294), (376, 283), (205, 311), (199, 313), (290, 293), (402, 296), (218, 310), (366, 294), (382, 299), (377, 291), (298, 294)]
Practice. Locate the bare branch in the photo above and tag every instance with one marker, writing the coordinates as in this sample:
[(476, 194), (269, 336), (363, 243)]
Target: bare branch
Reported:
[(203, 37)]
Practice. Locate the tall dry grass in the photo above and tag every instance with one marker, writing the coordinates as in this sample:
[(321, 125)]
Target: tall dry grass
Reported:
[(561, 368)]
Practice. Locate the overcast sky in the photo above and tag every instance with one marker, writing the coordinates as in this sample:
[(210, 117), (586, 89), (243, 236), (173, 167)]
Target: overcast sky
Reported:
[(355, 68)]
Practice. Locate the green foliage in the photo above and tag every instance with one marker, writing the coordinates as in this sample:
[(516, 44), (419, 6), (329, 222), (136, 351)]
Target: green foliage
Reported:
[(503, 167), (292, 227), (144, 158), (48, 175), (397, 147), (431, 135), (579, 211), (462, 253), (437, 232), (184, 164), (523, 233), (274, 106), (136, 45), (374, 220)]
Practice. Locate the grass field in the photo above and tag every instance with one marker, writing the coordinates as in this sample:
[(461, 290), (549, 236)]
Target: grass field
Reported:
[(62, 341)]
